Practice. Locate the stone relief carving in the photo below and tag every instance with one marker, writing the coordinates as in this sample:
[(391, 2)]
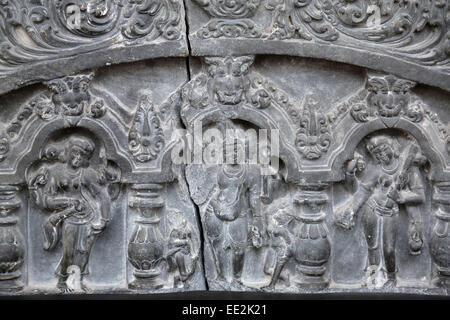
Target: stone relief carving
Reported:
[(146, 138), (93, 156), (230, 19), (12, 243), (41, 30), (69, 99), (77, 194), (382, 182), (163, 256), (404, 33), (407, 28), (313, 137)]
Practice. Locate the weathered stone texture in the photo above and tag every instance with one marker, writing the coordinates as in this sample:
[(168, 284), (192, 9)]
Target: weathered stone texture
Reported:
[(110, 111)]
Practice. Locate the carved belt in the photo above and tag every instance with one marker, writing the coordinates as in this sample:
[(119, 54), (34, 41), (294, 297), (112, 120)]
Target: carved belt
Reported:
[(381, 210)]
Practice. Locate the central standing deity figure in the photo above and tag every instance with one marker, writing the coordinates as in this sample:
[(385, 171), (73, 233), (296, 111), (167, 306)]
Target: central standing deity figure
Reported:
[(77, 195), (234, 218), (390, 179)]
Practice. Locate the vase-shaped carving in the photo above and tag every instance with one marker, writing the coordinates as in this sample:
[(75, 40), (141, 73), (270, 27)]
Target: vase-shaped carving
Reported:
[(312, 246), (11, 240), (440, 238), (146, 247)]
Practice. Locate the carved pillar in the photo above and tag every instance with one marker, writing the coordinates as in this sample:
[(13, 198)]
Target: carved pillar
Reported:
[(312, 246), (12, 249), (440, 238), (146, 247)]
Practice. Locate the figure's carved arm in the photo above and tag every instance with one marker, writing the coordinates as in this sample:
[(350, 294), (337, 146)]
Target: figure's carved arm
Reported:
[(415, 194), (255, 206), (44, 190), (356, 165), (99, 192), (345, 215)]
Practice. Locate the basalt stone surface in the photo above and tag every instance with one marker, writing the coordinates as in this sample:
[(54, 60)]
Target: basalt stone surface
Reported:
[(263, 146)]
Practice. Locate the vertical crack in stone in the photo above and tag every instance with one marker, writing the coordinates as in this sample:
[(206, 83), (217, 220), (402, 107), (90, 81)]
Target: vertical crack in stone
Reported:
[(200, 229), (188, 41), (197, 209)]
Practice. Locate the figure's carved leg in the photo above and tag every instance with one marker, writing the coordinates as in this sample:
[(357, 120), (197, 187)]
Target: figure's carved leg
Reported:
[(238, 262), (371, 234), (220, 256), (282, 258), (389, 240)]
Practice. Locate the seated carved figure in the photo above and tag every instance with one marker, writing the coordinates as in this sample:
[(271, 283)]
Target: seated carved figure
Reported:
[(391, 178), (76, 194)]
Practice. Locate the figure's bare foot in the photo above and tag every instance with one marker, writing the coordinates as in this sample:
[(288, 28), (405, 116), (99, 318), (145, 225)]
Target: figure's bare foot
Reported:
[(63, 288), (85, 288)]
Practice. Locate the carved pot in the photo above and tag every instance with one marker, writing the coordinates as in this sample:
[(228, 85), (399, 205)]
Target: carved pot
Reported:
[(440, 238), (11, 242), (312, 251), (146, 246), (145, 249), (312, 246), (11, 250)]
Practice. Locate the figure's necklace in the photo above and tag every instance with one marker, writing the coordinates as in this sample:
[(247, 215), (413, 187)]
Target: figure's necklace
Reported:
[(392, 169)]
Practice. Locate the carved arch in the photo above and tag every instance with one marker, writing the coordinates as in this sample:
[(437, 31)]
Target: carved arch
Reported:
[(261, 120), (39, 139), (438, 170)]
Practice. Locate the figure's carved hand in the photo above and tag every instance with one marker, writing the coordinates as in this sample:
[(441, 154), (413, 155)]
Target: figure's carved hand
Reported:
[(99, 227), (355, 165), (78, 205), (394, 195), (344, 217)]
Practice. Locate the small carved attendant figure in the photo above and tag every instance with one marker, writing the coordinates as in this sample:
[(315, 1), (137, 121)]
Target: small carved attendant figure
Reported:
[(182, 252), (77, 196), (389, 179), (282, 242)]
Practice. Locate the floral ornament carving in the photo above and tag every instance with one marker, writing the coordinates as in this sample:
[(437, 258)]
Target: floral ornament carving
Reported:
[(414, 30), (314, 137), (146, 138), (34, 31), (152, 18), (301, 19), (230, 19)]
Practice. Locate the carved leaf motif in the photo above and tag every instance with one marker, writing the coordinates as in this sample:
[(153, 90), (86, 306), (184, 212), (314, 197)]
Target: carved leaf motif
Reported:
[(415, 112), (360, 113), (146, 138), (313, 138), (161, 17)]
